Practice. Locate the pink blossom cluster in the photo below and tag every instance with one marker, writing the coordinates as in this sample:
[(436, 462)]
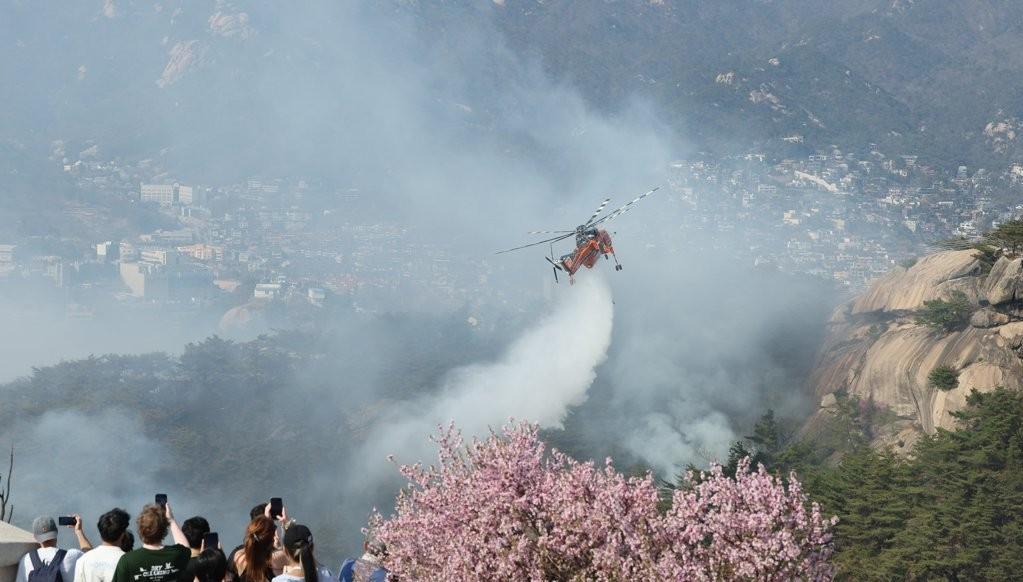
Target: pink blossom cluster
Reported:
[(504, 508), (751, 527)]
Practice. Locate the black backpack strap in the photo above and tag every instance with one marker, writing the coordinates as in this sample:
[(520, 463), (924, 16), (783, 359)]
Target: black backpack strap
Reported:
[(36, 562), (58, 558)]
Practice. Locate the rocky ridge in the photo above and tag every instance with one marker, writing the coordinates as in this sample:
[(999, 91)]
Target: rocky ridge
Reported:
[(876, 351)]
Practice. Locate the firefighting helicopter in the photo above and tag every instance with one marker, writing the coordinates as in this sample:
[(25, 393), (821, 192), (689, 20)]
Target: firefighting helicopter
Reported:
[(590, 241)]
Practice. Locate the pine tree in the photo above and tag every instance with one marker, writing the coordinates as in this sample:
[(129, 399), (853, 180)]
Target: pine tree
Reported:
[(1008, 235), (967, 495)]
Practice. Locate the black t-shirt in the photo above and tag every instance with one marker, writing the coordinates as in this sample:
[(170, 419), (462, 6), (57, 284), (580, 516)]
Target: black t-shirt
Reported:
[(144, 565), (189, 573)]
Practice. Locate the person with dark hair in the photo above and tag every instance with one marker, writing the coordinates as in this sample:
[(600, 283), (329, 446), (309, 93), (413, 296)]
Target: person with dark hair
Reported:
[(257, 510), (253, 560), (98, 564), (44, 528), (210, 566), (155, 562), (128, 541), (301, 566), (194, 528)]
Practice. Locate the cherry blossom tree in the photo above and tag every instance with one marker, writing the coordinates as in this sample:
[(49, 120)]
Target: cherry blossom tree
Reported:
[(751, 527), (505, 508)]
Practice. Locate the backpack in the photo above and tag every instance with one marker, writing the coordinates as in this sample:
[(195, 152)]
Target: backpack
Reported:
[(51, 572)]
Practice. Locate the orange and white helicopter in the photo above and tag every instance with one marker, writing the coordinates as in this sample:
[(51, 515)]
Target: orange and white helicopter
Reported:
[(590, 241)]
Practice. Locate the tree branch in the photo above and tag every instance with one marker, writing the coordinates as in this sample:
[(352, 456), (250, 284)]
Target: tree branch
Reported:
[(5, 495)]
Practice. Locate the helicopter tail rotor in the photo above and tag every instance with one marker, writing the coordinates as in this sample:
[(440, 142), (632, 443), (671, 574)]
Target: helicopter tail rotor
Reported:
[(554, 265)]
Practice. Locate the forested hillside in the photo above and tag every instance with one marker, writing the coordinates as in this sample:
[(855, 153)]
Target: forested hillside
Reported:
[(285, 413), (948, 511), (226, 424)]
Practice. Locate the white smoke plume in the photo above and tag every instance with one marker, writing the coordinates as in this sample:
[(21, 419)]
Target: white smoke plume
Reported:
[(76, 462), (540, 376)]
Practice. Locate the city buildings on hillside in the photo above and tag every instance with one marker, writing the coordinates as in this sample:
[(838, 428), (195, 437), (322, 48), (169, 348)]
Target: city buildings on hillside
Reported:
[(844, 216)]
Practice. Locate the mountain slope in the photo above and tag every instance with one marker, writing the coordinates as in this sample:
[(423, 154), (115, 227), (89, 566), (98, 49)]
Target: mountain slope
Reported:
[(924, 77), (174, 79)]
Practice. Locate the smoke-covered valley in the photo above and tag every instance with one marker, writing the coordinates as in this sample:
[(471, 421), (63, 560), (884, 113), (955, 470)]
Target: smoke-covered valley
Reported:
[(656, 376), (662, 364)]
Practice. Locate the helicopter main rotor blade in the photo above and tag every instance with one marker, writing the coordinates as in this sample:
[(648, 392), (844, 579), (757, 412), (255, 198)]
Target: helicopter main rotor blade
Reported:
[(550, 240), (597, 211), (593, 221), (625, 208)]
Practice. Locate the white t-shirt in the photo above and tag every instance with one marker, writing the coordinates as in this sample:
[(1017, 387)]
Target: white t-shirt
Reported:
[(45, 555), (97, 565)]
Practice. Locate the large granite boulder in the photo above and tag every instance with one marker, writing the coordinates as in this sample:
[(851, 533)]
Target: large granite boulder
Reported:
[(1005, 282), (876, 352), (932, 277)]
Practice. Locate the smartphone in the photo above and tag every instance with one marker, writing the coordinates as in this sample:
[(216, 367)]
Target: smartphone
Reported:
[(276, 506), (161, 499), (66, 520), (211, 540)]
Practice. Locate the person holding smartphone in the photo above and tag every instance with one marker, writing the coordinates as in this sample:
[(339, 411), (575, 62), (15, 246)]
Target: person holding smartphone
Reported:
[(44, 528), (301, 566), (98, 564), (253, 560), (155, 562), (194, 529), (272, 511)]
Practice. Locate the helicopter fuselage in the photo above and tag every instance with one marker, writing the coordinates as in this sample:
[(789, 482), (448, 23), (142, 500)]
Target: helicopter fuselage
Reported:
[(590, 242), (590, 245)]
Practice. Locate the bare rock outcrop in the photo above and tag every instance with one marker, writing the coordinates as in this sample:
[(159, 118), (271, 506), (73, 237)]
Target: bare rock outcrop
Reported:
[(877, 352), (1005, 282), (932, 277)]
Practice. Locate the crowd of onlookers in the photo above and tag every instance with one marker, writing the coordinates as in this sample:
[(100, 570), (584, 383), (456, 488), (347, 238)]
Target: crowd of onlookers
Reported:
[(274, 549)]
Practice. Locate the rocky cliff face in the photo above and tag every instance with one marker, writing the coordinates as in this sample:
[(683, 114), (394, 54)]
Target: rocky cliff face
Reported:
[(876, 351)]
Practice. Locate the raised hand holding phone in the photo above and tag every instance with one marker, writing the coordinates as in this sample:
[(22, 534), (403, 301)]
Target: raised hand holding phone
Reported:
[(276, 507)]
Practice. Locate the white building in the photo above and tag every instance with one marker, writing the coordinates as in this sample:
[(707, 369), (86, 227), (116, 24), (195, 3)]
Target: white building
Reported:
[(167, 194), (161, 193), (6, 258), (267, 291), (317, 296), (163, 275), (185, 195)]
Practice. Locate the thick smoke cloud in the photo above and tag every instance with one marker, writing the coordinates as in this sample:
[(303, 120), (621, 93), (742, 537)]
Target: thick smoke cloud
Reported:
[(704, 345), (70, 462), (543, 373), (472, 146)]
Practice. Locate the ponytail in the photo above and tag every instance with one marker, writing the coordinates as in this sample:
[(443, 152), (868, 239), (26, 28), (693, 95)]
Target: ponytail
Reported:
[(259, 546), (303, 552), (298, 542)]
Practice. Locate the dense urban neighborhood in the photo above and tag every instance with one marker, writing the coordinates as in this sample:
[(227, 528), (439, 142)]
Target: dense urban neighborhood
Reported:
[(840, 216)]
